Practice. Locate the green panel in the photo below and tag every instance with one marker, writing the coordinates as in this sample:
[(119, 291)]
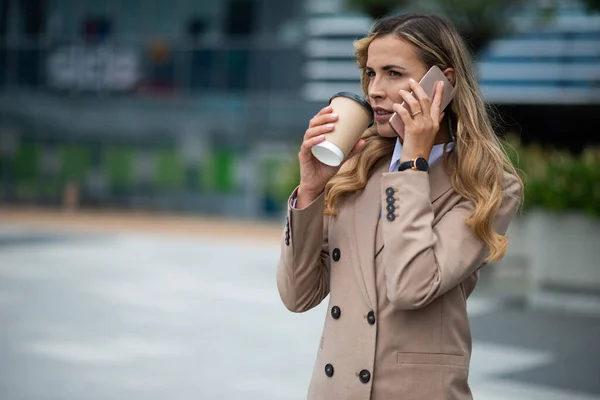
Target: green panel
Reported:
[(224, 171), (26, 161), (218, 172), (118, 164), (170, 172), (76, 160)]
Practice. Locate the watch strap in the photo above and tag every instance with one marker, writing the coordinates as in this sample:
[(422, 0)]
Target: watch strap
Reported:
[(418, 164), (406, 165)]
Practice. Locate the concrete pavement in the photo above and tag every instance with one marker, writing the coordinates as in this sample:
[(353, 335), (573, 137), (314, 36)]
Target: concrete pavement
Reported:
[(123, 314)]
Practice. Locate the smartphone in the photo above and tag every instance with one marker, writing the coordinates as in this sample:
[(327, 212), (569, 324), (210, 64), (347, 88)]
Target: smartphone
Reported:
[(428, 83)]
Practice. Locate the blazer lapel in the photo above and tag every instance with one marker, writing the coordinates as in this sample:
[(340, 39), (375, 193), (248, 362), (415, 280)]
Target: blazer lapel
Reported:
[(439, 182), (367, 208)]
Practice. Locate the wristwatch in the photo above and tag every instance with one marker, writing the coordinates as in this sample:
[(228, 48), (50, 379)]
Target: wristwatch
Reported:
[(418, 164)]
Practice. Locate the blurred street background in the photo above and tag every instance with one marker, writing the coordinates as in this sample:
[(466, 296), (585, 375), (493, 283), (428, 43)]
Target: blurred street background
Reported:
[(147, 150)]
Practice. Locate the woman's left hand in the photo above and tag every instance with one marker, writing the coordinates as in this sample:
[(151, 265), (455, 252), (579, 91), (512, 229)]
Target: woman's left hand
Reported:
[(421, 120)]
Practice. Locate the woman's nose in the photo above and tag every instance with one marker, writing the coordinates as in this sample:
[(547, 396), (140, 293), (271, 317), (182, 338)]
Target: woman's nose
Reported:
[(376, 91)]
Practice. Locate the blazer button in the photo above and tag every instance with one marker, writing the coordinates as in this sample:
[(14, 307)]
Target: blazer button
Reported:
[(364, 376), (390, 208), (336, 254), (389, 191), (336, 312), (390, 199), (329, 370), (391, 217), (371, 318)]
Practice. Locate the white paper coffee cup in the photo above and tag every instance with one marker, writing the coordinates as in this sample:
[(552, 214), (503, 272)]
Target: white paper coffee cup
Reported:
[(355, 116)]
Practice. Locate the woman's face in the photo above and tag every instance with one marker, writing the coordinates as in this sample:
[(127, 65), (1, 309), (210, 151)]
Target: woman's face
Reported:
[(391, 62)]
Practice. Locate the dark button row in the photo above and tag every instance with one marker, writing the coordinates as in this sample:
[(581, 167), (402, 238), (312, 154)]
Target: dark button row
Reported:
[(364, 376), (287, 232), (391, 208), (336, 313)]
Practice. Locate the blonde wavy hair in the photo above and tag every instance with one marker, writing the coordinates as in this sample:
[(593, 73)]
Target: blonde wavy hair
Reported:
[(477, 162)]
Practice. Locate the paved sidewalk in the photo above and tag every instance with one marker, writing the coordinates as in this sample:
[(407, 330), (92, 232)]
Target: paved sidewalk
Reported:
[(142, 312), (115, 221)]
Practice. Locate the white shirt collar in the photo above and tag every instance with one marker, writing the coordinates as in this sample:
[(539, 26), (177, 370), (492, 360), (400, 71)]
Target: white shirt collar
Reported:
[(436, 153)]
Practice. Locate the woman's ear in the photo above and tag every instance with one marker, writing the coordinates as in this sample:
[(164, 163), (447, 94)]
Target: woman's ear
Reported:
[(449, 72)]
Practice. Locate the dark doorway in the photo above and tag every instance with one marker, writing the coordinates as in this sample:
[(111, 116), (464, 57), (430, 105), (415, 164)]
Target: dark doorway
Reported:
[(570, 127), (33, 14), (240, 18)]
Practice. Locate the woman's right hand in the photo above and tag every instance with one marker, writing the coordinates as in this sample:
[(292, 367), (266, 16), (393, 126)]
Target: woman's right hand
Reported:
[(314, 175)]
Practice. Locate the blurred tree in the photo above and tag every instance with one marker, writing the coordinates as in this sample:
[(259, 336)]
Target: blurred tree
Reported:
[(478, 21), (377, 8), (592, 5)]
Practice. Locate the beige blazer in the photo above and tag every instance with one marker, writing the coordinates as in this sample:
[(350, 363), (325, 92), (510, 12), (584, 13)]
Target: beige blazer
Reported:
[(397, 325)]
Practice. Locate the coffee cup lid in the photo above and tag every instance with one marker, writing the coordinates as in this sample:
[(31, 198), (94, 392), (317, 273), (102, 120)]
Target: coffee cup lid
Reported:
[(360, 100)]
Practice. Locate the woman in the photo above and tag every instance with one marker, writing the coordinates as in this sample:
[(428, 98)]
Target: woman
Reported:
[(399, 251)]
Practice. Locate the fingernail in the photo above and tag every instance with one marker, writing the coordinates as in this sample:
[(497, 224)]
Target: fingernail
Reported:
[(321, 137), (412, 80), (329, 126), (334, 115), (441, 83)]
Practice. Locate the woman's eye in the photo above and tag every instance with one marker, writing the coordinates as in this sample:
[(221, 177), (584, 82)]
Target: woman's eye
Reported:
[(370, 74), (394, 73)]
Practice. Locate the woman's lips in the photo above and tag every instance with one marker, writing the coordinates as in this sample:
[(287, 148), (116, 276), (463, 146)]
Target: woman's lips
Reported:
[(382, 117)]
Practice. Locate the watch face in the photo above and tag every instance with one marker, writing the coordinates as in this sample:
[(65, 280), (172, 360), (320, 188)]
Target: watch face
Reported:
[(421, 164)]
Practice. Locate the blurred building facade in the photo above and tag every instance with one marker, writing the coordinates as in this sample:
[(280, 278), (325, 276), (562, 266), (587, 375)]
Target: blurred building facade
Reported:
[(200, 105), (160, 104)]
